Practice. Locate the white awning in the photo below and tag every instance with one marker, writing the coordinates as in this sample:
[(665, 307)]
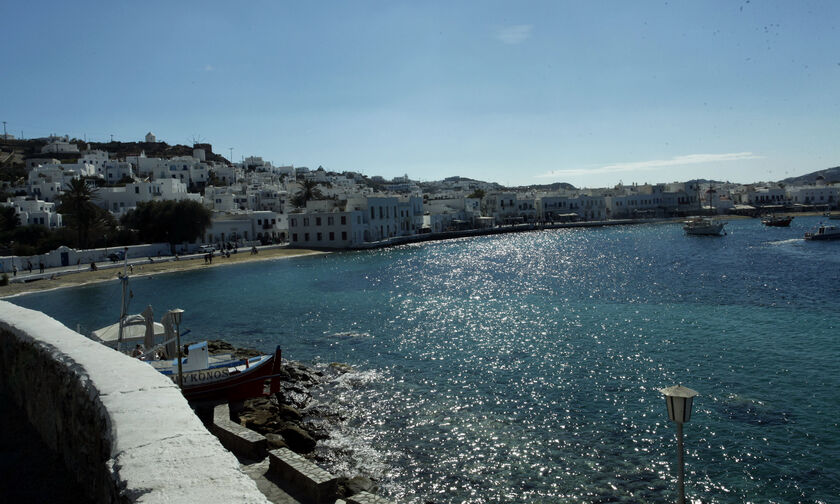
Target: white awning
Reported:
[(134, 330)]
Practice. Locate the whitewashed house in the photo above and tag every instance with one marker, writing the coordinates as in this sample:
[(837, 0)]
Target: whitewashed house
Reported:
[(818, 195), (33, 211), (245, 226), (122, 199)]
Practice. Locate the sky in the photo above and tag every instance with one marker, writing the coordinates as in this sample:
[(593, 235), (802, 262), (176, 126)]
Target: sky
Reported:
[(517, 92)]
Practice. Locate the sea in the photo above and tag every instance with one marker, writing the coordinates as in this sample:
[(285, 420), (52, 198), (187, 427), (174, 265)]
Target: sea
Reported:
[(526, 367)]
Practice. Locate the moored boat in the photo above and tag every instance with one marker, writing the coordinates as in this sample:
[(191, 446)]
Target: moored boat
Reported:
[(703, 226), (774, 221), (824, 232)]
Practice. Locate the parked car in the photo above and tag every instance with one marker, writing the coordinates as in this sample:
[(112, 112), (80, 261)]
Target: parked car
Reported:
[(206, 249), (116, 256)]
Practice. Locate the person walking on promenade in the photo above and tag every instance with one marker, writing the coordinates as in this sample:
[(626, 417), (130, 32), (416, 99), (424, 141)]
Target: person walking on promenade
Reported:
[(14, 270), (29, 266), (41, 267)]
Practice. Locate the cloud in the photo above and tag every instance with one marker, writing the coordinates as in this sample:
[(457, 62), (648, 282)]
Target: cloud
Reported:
[(515, 34), (689, 159)]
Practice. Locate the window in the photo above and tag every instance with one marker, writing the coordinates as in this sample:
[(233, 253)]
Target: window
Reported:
[(294, 237), (332, 236), (306, 221), (372, 212), (343, 220), (320, 237), (136, 190), (344, 235), (330, 220), (317, 221), (306, 237)]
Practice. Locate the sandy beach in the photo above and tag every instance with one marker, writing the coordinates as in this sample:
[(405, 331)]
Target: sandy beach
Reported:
[(162, 265)]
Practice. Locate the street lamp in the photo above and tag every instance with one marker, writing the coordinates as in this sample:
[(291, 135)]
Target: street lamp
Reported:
[(679, 400), (177, 315)]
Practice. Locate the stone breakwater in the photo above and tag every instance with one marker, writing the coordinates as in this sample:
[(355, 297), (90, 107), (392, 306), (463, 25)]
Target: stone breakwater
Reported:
[(293, 418), (123, 430)]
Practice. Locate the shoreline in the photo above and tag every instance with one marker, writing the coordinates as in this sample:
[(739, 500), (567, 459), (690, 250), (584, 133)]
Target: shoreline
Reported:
[(67, 279), (109, 272)]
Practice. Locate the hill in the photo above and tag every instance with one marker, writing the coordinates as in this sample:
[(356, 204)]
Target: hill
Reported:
[(829, 174)]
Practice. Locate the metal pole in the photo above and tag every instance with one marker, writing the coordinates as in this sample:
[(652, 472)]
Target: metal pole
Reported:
[(680, 465), (178, 342)]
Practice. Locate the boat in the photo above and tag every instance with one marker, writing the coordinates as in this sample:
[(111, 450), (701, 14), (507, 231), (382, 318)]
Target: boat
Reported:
[(201, 376), (206, 380), (824, 232), (774, 221), (703, 226)]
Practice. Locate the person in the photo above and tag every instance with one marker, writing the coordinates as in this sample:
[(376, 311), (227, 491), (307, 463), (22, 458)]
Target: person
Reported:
[(131, 268), (92, 266), (29, 266), (41, 267), (14, 270), (137, 352)]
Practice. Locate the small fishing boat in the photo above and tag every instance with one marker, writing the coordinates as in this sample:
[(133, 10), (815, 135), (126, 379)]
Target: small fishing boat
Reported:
[(824, 232), (703, 226), (774, 221), (202, 377)]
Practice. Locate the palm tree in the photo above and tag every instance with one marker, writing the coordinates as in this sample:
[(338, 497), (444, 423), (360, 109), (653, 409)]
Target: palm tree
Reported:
[(308, 191), (78, 208)]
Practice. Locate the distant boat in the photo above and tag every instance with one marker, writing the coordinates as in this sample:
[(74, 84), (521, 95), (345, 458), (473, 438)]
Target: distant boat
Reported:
[(703, 226), (824, 233), (774, 221)]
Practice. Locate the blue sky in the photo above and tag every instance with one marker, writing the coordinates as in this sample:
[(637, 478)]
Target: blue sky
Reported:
[(590, 93)]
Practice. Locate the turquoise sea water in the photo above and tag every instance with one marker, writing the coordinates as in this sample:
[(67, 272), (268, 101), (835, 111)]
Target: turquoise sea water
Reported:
[(526, 367)]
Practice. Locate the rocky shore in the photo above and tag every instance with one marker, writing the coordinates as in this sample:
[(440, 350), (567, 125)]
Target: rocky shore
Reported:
[(293, 418)]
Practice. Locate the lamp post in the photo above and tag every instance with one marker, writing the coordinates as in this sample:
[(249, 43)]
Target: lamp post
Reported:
[(679, 399), (177, 315)]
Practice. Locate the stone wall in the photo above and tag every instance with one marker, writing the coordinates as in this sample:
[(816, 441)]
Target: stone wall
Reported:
[(123, 429)]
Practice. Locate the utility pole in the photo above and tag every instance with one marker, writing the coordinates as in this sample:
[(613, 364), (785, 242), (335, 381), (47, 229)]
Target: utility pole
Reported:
[(4, 131), (231, 154)]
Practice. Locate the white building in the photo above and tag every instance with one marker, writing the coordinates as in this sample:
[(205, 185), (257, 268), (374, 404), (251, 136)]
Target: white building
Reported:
[(59, 144), (813, 195), (328, 229), (33, 211), (122, 199), (150, 138), (241, 227)]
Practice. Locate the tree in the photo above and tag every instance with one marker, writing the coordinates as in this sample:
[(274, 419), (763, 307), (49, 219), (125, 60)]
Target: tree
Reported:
[(79, 211), (478, 194), (308, 191), (9, 219), (168, 221)]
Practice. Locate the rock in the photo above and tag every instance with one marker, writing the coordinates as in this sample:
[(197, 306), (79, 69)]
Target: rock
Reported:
[(298, 440), (287, 412), (340, 368), (276, 441), (359, 484), (259, 420)]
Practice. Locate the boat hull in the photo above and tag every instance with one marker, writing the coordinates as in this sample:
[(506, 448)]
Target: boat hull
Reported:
[(219, 385)]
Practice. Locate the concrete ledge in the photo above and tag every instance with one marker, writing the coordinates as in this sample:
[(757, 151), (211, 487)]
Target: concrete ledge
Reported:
[(367, 498), (236, 438), (314, 485), (124, 430)]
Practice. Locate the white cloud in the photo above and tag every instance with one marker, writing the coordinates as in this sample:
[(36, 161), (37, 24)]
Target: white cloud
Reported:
[(689, 159), (515, 34)]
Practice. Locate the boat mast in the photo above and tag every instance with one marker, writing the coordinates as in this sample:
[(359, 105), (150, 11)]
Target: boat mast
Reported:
[(123, 307)]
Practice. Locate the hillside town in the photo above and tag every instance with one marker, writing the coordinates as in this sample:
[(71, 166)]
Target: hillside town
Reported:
[(254, 201)]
